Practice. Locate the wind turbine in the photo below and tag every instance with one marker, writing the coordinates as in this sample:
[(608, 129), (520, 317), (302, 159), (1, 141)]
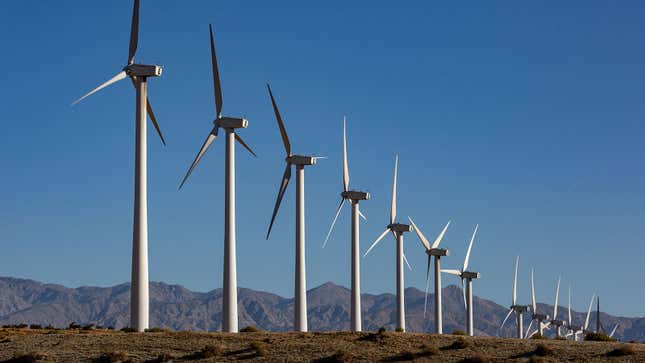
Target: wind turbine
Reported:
[(397, 230), (518, 309), (464, 274), (572, 330), (555, 321), (229, 124), (540, 318), (436, 252), (138, 73), (354, 197), (300, 161), (583, 329)]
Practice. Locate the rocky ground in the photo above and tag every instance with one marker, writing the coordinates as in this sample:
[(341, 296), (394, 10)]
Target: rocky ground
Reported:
[(26, 345)]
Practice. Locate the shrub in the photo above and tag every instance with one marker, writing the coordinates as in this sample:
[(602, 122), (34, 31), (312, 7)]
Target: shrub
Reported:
[(560, 338), (382, 330), (475, 359), (622, 351), (538, 336), (111, 357), (156, 330), (249, 329), (21, 326), (260, 349), (460, 343), (35, 326), (598, 337), (542, 350), (127, 329), (74, 326), (88, 327), (50, 327), (31, 357), (458, 332), (210, 351), (399, 330)]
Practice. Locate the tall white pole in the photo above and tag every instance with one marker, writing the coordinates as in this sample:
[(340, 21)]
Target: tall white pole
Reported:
[(400, 288), (520, 325), (541, 328), (229, 304), (437, 294), (139, 280), (300, 308), (469, 293), (356, 270)]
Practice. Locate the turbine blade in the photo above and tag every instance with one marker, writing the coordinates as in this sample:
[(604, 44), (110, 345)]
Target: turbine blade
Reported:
[(345, 166), (216, 83), (452, 272), (422, 238), (239, 139), (533, 294), (340, 206), (436, 242), (134, 33), (547, 325), (283, 131), (425, 302), (463, 289), (361, 214), (555, 306), (393, 206), (613, 331), (569, 307), (517, 261), (529, 329), (377, 241), (470, 246), (593, 296), (510, 311), (406, 261), (283, 187), (153, 118), (121, 75), (207, 143)]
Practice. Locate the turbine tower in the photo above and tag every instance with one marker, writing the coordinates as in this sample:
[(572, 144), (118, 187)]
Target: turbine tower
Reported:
[(436, 252), (464, 274), (354, 196), (300, 161), (229, 124), (138, 74), (397, 230), (555, 321), (540, 318), (518, 309)]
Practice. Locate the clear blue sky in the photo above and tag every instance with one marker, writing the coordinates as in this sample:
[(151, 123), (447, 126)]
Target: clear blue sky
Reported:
[(526, 118)]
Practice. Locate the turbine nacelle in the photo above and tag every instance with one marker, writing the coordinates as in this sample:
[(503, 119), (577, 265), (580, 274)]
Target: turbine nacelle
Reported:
[(438, 252), (142, 70), (520, 308), (300, 160), (400, 227), (231, 122), (540, 317), (355, 195), (469, 275)]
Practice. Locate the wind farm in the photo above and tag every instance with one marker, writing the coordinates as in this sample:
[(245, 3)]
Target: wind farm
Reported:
[(512, 144)]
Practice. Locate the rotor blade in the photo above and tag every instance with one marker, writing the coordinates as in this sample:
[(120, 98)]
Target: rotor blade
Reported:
[(216, 83), (529, 329), (547, 325), (593, 296), (517, 261), (510, 311), (121, 75), (283, 187), (393, 206), (463, 289), (613, 331), (239, 139), (533, 294), (150, 113), (452, 272), (283, 131), (207, 143), (470, 246), (134, 32), (340, 206), (532, 334), (436, 242), (569, 307), (555, 306), (377, 241), (361, 214), (406, 261), (422, 238), (345, 166), (425, 302)]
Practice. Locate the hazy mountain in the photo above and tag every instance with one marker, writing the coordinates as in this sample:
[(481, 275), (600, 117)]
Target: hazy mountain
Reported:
[(177, 308)]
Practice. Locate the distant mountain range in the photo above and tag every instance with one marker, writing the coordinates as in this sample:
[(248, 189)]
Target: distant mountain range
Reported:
[(175, 307)]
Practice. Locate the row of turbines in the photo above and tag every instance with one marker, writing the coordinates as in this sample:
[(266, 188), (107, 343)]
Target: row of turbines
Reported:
[(544, 321), (139, 299)]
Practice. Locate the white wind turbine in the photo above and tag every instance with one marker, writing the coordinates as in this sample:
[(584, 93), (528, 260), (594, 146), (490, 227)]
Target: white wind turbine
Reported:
[(540, 318), (518, 309), (300, 161), (229, 124), (436, 252), (138, 74), (397, 230), (555, 321), (584, 329), (354, 197), (572, 330), (468, 290)]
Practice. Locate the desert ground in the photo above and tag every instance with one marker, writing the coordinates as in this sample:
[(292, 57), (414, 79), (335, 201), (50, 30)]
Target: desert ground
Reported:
[(77, 345)]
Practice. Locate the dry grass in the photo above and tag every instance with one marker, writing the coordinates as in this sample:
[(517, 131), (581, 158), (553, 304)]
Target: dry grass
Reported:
[(84, 346)]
